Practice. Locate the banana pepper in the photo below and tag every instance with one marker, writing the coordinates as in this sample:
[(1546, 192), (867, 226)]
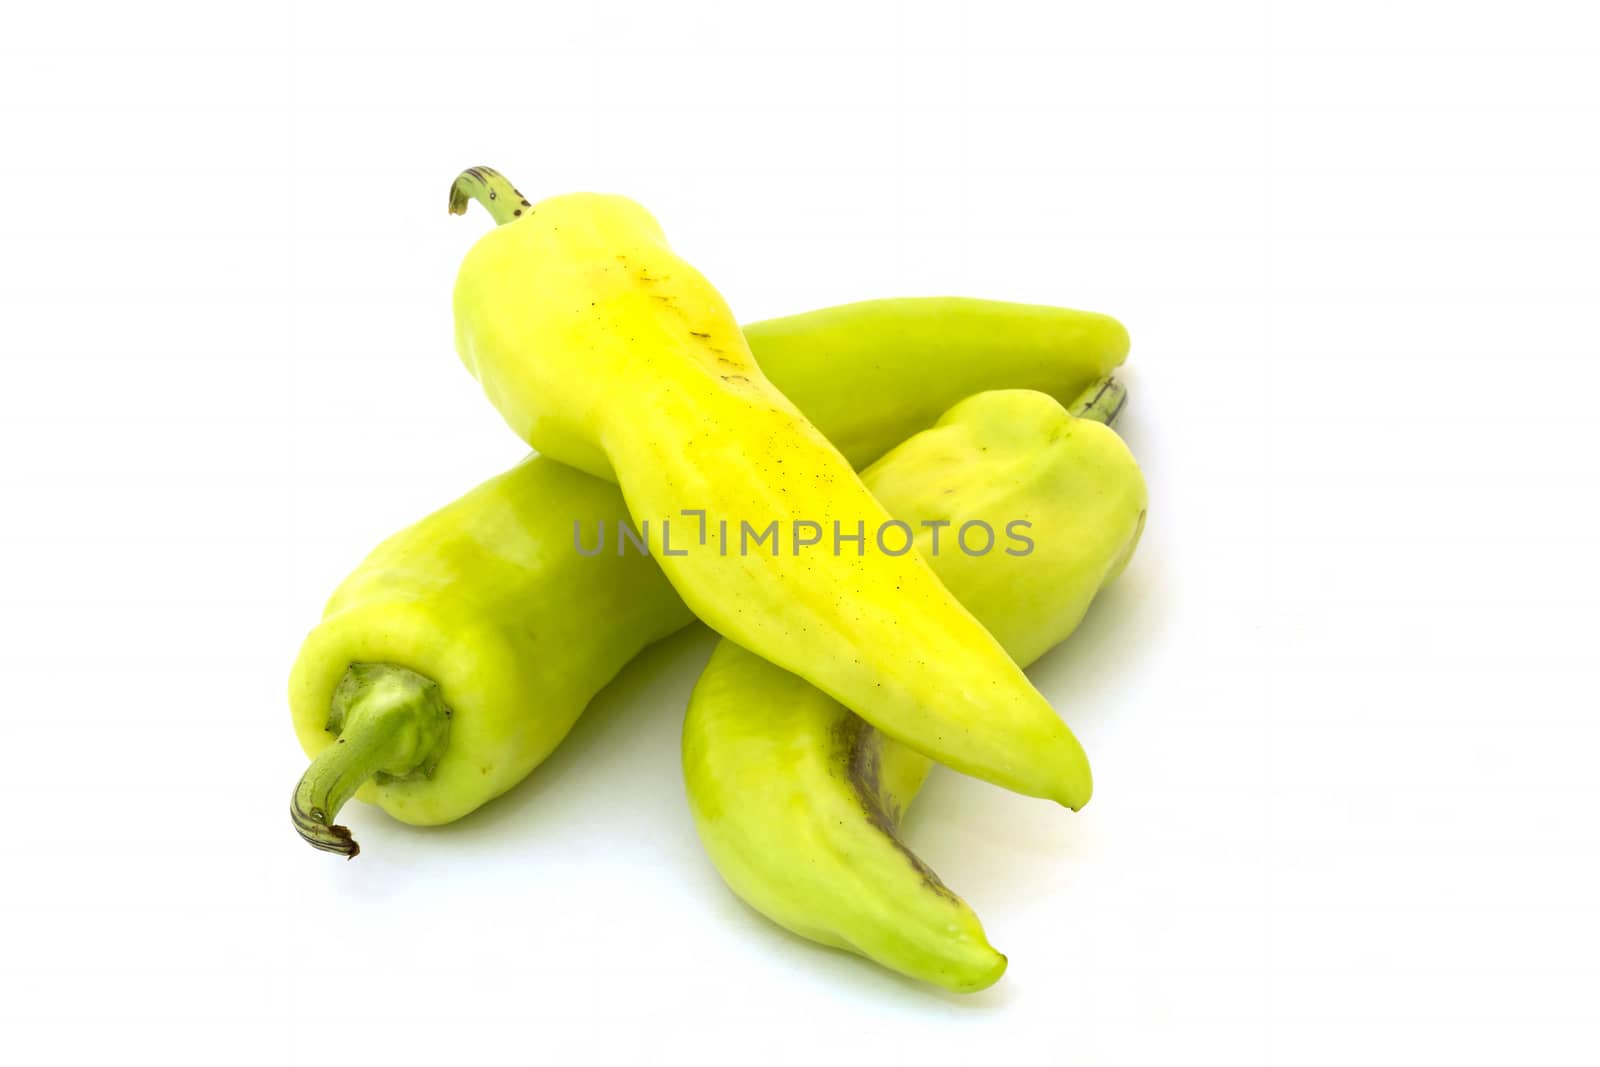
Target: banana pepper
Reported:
[(797, 800), (606, 351)]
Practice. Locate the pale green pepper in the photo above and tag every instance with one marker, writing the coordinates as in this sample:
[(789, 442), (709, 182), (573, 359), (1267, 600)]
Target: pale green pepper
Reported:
[(797, 800)]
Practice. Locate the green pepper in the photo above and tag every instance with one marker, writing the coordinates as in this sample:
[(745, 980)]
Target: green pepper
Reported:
[(797, 800), (605, 350), (461, 651)]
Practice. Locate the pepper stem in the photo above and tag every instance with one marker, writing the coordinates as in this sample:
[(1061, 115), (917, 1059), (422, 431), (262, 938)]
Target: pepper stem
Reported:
[(491, 189), (391, 723), (1102, 402)]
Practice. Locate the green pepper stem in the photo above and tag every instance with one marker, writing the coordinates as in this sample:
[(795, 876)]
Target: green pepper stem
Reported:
[(491, 189), (1102, 402), (390, 723)]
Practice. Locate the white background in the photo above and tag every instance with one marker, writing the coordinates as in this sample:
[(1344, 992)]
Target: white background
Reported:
[(1342, 708)]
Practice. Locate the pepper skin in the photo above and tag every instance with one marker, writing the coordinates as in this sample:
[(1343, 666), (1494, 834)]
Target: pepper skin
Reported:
[(857, 370), (606, 351), (797, 800), (488, 600)]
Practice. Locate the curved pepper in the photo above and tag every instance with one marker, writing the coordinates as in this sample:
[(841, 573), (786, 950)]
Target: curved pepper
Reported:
[(797, 800), (606, 351), (471, 641)]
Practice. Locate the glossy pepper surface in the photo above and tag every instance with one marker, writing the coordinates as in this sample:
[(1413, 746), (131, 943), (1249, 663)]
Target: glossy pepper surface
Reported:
[(605, 350), (797, 800), (461, 651)]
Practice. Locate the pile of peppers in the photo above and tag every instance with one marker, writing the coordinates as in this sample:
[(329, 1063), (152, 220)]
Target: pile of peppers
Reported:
[(885, 509)]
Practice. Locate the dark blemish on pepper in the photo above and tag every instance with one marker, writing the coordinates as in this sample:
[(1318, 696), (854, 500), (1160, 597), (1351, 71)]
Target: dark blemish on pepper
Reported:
[(861, 745), (697, 333), (517, 212)]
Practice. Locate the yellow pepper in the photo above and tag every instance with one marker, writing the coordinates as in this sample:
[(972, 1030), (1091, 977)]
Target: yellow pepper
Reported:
[(606, 351)]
